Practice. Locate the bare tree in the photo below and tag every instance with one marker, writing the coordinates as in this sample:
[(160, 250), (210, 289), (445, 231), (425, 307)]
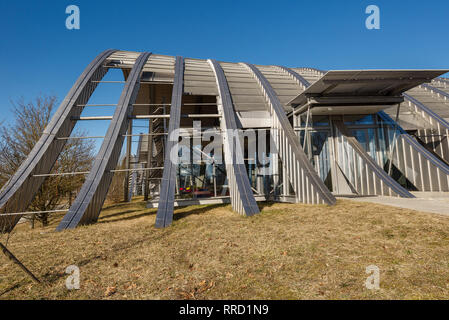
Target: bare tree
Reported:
[(116, 190), (19, 138)]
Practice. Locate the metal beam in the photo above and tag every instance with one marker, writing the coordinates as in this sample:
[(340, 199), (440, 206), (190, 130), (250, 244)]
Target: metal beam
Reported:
[(242, 197), (19, 191), (87, 206), (305, 181), (164, 216)]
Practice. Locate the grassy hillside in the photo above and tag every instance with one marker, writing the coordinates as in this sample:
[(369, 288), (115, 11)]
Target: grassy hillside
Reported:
[(287, 252)]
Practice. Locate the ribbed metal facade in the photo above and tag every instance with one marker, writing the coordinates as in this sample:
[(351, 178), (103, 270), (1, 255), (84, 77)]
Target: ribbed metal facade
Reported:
[(171, 92)]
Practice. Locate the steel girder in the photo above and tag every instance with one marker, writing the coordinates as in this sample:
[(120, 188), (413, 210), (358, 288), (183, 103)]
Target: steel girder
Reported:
[(242, 197), (164, 216), (305, 181), (19, 191), (366, 177), (87, 206)]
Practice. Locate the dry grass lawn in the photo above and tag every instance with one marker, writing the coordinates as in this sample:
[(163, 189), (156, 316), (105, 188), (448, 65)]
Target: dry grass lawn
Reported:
[(287, 252)]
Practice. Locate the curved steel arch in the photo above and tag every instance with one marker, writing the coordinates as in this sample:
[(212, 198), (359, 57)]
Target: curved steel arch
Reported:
[(164, 216), (242, 197), (307, 185), (20, 190), (87, 206), (296, 76)]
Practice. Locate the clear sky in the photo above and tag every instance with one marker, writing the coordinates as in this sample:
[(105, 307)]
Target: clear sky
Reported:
[(39, 55)]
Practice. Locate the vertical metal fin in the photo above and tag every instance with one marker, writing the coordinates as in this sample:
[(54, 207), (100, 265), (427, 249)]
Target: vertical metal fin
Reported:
[(87, 205), (19, 191), (374, 180), (242, 197), (305, 181), (419, 166), (437, 126), (165, 209)]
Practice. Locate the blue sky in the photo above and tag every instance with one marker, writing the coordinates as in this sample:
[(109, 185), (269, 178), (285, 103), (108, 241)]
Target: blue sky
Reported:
[(39, 55)]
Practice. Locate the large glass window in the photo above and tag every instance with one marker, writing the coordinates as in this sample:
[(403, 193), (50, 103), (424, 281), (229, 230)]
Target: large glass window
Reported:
[(320, 156)]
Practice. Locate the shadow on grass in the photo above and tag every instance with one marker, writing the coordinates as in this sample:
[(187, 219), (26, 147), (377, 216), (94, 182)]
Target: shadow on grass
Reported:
[(53, 277), (266, 205), (196, 211), (14, 287), (127, 218), (123, 204)]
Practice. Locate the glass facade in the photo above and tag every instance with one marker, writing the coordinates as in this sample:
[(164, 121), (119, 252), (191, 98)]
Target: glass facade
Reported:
[(326, 148), (322, 142)]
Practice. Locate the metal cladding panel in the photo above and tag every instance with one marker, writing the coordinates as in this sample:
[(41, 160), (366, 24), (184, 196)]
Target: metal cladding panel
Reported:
[(19, 191), (124, 58), (242, 197), (422, 163), (158, 68), (199, 78), (87, 206), (374, 172), (435, 98), (285, 86), (164, 216), (299, 78), (300, 170), (244, 90), (436, 132), (160, 64), (308, 76)]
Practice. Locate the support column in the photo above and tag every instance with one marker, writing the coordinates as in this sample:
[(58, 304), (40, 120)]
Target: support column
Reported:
[(17, 194), (129, 141), (305, 181), (165, 210), (274, 155), (393, 147), (87, 205), (149, 159), (242, 197)]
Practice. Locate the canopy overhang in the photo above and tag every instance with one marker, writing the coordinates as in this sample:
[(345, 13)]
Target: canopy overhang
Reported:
[(359, 91)]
